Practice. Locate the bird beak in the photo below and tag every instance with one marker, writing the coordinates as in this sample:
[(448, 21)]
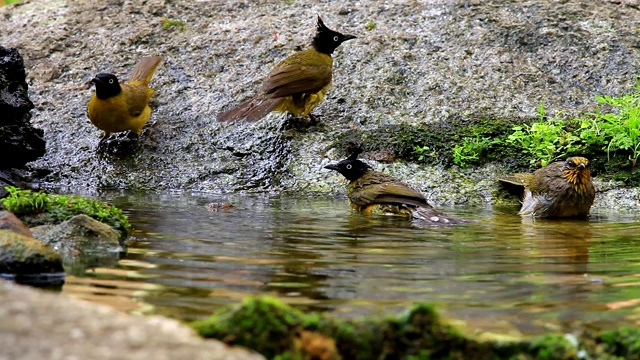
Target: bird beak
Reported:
[(348, 37), (581, 166), (332, 167), (90, 82)]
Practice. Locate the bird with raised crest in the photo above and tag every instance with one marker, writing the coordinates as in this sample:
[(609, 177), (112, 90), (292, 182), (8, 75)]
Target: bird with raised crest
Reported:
[(296, 84)]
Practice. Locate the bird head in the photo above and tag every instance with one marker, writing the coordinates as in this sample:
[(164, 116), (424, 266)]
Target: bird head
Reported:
[(351, 168), (327, 40), (576, 172), (107, 85)]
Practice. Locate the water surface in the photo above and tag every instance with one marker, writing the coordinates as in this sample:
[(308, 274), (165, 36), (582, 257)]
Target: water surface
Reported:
[(498, 273)]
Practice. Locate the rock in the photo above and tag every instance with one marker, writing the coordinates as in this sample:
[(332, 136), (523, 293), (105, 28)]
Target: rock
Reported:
[(43, 325), (27, 260), (80, 234), (8, 221), (17, 137), (422, 62)]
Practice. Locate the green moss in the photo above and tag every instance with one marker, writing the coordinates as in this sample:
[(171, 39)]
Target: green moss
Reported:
[(38, 208), (170, 23), (462, 141), (263, 324), (552, 347), (356, 338), (273, 329), (475, 142), (279, 332), (623, 342), (370, 25)]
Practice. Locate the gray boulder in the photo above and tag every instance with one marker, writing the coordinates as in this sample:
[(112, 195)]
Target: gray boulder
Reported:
[(413, 62)]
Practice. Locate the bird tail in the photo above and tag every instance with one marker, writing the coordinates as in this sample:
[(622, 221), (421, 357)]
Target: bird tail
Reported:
[(520, 179), (144, 70), (430, 215), (252, 110)]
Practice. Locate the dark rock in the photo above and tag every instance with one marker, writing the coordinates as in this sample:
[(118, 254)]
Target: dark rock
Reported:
[(17, 137)]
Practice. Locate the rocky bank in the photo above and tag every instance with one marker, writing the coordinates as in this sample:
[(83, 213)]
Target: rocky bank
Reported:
[(413, 61), (38, 324)]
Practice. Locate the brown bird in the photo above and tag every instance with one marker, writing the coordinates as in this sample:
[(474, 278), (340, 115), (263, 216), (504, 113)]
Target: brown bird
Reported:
[(373, 192), (560, 189), (119, 107), (296, 84)]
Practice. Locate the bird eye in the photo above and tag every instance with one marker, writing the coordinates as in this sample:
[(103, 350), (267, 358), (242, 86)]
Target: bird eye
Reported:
[(110, 81), (349, 167), (336, 38)]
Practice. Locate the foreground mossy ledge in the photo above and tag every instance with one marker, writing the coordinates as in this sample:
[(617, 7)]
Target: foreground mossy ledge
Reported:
[(278, 331), (39, 208)]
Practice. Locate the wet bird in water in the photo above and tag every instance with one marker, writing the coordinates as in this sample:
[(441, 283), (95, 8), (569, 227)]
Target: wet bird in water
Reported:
[(373, 192), (296, 84), (119, 107), (560, 189)]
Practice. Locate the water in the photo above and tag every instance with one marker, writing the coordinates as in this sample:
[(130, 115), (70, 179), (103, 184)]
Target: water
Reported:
[(499, 273)]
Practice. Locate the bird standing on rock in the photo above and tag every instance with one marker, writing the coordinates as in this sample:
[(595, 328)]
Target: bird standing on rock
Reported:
[(374, 192), (560, 189), (296, 84), (119, 107)]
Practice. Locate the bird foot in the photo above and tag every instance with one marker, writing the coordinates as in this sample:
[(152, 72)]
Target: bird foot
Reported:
[(121, 143), (293, 122)]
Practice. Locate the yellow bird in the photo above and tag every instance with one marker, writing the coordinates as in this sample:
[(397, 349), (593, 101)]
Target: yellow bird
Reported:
[(296, 84), (119, 107)]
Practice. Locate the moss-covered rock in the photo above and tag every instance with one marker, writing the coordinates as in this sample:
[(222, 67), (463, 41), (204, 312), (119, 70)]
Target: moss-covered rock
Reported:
[(80, 234), (281, 332), (39, 208), (434, 143), (27, 260), (552, 346), (265, 325), (623, 343)]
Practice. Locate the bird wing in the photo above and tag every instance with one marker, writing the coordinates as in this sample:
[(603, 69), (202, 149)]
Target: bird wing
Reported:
[(137, 97), (382, 189), (304, 72), (548, 179)]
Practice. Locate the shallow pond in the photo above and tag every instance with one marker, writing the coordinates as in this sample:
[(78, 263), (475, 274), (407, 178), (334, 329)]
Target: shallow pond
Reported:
[(498, 273)]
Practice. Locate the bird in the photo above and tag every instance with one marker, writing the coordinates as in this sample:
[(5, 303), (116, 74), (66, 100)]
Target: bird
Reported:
[(560, 189), (296, 84), (116, 107), (374, 192)]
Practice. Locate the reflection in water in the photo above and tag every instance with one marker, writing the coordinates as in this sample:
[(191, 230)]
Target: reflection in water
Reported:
[(498, 273)]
